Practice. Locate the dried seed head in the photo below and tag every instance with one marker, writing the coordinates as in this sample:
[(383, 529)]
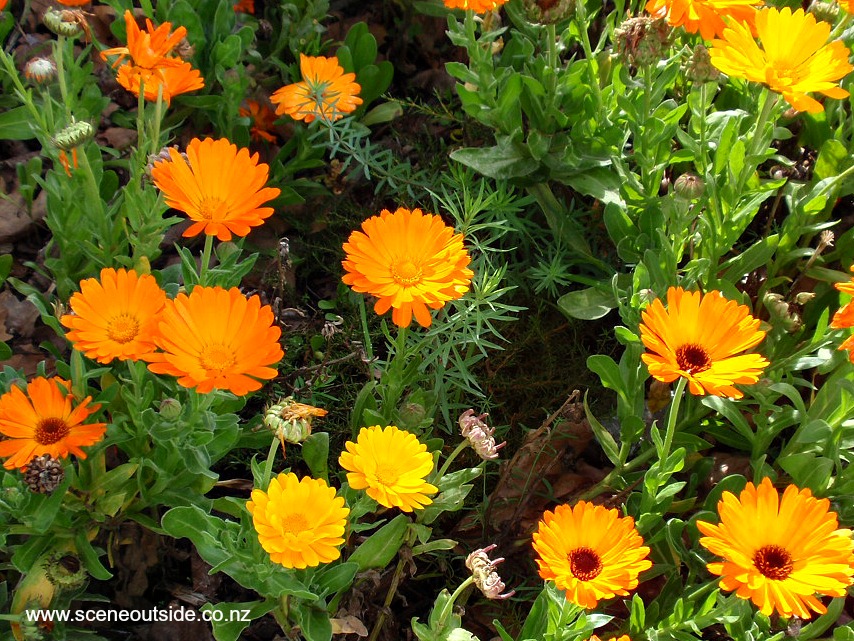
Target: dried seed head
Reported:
[(479, 435), (485, 577), (291, 421), (65, 23), (161, 155), (699, 67), (642, 41), (782, 313), (549, 11), (40, 71), (827, 11), (74, 135), (44, 474)]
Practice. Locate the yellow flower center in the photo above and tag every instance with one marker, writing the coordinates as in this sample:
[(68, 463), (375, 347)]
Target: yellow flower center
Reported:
[(584, 563), (693, 358), (294, 523), (774, 562), (217, 357), (50, 430), (406, 273), (387, 474), (122, 328), (210, 208)]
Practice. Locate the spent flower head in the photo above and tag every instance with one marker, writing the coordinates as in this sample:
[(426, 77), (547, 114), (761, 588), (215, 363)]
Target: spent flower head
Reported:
[(479, 434), (485, 576), (642, 41), (291, 421)]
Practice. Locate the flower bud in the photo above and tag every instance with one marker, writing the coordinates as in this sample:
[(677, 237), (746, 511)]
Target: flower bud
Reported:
[(170, 408), (44, 474), (782, 313), (74, 135), (40, 71), (642, 41), (689, 186), (826, 11)]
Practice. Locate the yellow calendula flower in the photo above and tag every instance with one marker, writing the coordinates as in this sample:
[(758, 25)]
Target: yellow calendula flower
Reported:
[(780, 553), (391, 465), (300, 522), (590, 552), (700, 337), (795, 57)]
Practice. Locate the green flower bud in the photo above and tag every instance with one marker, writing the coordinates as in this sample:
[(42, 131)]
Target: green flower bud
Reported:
[(170, 409), (74, 135), (689, 186)]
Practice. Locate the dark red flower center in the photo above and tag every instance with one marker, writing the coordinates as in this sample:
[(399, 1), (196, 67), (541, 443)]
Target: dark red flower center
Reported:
[(584, 564), (693, 358), (50, 430), (773, 561)]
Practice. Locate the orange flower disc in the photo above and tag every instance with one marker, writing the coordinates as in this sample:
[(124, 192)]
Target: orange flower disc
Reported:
[(115, 317), (218, 186), (325, 91), (45, 421), (410, 261), (216, 338)]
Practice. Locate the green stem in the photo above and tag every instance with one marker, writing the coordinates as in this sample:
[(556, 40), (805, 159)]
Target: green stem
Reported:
[(206, 260), (158, 116), (758, 140), (449, 605), (463, 445), (59, 58), (646, 155), (703, 163), (268, 466), (392, 590), (670, 430), (581, 19), (140, 120), (839, 29), (606, 482), (93, 198), (366, 335)]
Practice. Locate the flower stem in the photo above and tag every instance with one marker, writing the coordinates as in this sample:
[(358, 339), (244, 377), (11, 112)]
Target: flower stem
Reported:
[(366, 335), (392, 590), (449, 605), (756, 143), (581, 18), (463, 445), (158, 116), (670, 430), (268, 467), (206, 259), (59, 57)]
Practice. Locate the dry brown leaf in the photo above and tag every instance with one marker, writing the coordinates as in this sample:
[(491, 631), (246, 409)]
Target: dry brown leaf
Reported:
[(348, 625)]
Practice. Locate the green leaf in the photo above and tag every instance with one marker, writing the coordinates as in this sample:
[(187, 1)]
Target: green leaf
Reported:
[(89, 557), (609, 445), (508, 159), (315, 453), (236, 617), (587, 304), (314, 623), (5, 267), (16, 124), (335, 578), (382, 546)]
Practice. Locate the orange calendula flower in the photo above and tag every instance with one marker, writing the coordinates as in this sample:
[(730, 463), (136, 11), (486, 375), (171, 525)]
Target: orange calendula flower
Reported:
[(116, 316), (844, 316), (300, 522), (218, 186), (795, 57), (245, 6), (168, 81), (216, 338), (391, 465), (590, 552), (624, 637), (701, 337), (780, 553), (262, 118), (478, 6), (706, 16), (410, 261), (149, 49), (73, 3), (325, 91), (44, 420)]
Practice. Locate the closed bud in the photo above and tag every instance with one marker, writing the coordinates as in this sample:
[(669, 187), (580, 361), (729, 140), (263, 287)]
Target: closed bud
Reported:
[(689, 186), (170, 408), (40, 71), (782, 313), (74, 135)]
